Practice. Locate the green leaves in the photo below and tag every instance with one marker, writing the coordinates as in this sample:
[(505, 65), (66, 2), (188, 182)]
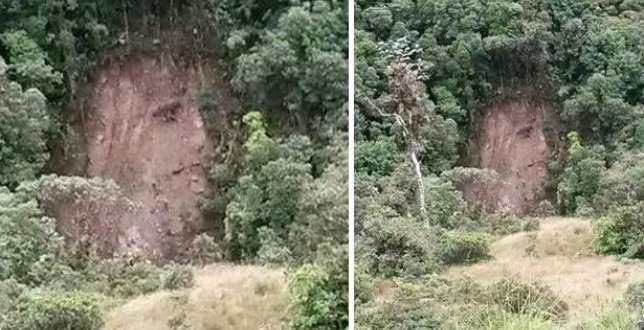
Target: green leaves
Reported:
[(580, 179), (598, 108), (313, 302), (56, 311), (278, 199), (377, 157), (301, 62), (23, 124), (28, 63), (29, 241)]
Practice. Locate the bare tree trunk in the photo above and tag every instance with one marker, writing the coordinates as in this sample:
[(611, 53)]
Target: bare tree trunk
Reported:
[(126, 22), (411, 146), (420, 186)]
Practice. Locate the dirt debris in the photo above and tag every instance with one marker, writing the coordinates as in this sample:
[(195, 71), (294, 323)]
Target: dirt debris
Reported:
[(511, 142), (142, 128)]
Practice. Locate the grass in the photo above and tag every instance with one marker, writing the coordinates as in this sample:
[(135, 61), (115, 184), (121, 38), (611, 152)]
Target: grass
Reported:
[(560, 255), (611, 317), (224, 297), (508, 321)]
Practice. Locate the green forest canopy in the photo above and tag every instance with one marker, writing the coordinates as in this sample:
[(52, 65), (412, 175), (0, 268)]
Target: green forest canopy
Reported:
[(285, 195)]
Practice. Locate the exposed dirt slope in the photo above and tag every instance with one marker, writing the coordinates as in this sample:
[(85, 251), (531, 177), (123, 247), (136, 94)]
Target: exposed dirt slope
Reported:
[(224, 297), (560, 255), (145, 132), (142, 127), (511, 141)]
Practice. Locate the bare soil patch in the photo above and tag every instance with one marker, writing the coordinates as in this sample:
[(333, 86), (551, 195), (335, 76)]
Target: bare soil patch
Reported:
[(142, 128), (511, 142)]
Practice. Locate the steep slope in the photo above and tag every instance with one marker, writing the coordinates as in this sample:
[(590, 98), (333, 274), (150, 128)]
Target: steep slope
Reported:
[(141, 127), (511, 141)]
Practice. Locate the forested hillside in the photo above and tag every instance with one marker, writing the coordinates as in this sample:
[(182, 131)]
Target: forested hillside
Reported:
[(477, 120), (142, 140)]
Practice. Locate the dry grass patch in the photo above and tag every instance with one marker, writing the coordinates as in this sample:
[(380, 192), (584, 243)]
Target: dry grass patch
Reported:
[(559, 254), (224, 297)]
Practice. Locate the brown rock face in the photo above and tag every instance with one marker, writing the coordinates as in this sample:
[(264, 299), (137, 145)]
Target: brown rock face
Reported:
[(145, 132), (511, 142)]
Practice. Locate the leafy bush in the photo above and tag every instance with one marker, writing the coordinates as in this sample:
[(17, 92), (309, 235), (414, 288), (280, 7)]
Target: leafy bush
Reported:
[(397, 246), (10, 292), (506, 223), (620, 231), (395, 316), (634, 296), (30, 244), (376, 158), (581, 175), (545, 209), (176, 276), (268, 192), (204, 250), (607, 238), (623, 183), (28, 62), (126, 278), (439, 144), (122, 278), (23, 124), (56, 311), (527, 298), (445, 205), (272, 249), (457, 247), (313, 304)]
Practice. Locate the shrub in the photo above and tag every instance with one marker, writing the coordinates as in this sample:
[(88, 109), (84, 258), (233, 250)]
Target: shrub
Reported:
[(457, 247), (397, 246), (445, 205), (176, 276), (376, 158), (30, 244), (120, 278), (623, 183), (312, 302), (505, 223), (532, 298), (545, 209), (204, 250), (56, 311), (613, 317), (607, 239), (24, 122), (509, 321), (137, 280), (634, 295), (581, 174), (584, 207), (125, 278), (620, 231), (439, 144), (395, 316), (10, 292), (491, 317), (273, 249)]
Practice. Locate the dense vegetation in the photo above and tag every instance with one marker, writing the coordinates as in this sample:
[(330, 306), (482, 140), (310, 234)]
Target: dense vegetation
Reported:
[(425, 70), (284, 195)]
